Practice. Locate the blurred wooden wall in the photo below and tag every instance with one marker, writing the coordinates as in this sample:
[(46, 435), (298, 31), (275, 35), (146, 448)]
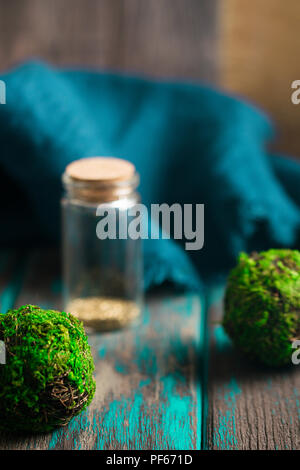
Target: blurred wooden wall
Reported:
[(170, 38), (259, 52), (248, 47)]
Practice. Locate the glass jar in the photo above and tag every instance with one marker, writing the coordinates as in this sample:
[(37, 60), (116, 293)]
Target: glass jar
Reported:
[(102, 272)]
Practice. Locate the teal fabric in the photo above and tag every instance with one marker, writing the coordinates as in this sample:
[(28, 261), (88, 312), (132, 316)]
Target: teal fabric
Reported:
[(190, 144)]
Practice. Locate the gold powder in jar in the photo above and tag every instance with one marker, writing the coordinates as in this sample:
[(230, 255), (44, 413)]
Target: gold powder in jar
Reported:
[(101, 274), (104, 313)]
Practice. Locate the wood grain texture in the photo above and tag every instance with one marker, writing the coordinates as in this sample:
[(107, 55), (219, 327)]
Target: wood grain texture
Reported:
[(259, 47), (171, 38), (250, 407), (150, 387), (149, 391)]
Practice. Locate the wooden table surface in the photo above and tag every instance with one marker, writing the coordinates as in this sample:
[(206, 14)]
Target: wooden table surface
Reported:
[(171, 383)]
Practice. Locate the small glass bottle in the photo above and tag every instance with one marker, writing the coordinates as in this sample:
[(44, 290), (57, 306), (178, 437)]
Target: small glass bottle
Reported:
[(103, 278)]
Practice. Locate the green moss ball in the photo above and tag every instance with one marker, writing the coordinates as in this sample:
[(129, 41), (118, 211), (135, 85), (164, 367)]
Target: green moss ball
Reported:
[(262, 305), (48, 375)]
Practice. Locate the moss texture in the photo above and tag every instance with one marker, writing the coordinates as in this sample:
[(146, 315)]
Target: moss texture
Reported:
[(262, 305), (48, 377)]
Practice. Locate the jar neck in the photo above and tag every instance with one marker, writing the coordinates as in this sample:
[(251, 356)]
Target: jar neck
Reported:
[(99, 191)]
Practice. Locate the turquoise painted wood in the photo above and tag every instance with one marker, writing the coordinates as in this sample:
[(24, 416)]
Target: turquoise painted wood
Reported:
[(149, 378), (250, 406), (164, 384)]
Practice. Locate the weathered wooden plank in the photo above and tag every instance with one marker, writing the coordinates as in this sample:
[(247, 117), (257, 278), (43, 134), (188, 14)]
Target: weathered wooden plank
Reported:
[(168, 38), (258, 42), (148, 383), (250, 406)]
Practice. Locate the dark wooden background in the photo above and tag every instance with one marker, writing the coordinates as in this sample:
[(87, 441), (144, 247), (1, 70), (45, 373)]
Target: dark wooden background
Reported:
[(246, 407), (249, 48), (174, 38)]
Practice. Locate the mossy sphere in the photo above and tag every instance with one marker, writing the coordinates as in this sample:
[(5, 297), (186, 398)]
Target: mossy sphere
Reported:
[(262, 305), (48, 375)]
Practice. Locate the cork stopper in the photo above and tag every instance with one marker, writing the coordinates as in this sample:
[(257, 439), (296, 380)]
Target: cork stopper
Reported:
[(100, 169), (100, 179)]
